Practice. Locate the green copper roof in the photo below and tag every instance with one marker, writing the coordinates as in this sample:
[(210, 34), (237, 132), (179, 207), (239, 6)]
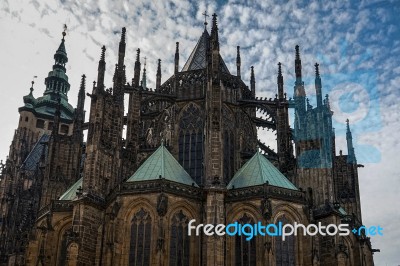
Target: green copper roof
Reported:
[(70, 194), (257, 171), (57, 86), (162, 163), (342, 211)]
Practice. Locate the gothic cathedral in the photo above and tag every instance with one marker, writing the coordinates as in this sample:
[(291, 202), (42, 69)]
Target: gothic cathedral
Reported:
[(187, 149)]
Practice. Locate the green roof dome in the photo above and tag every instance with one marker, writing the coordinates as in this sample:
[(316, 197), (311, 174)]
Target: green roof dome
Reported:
[(257, 171), (162, 163)]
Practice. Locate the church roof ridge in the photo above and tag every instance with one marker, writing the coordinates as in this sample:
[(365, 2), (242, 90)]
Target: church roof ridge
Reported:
[(162, 164), (258, 171), (198, 56)]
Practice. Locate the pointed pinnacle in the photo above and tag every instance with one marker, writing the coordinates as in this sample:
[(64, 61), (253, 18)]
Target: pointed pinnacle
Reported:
[(138, 55), (177, 48), (83, 82), (123, 35), (103, 53), (214, 29), (279, 69), (297, 52), (317, 69), (159, 68), (214, 21)]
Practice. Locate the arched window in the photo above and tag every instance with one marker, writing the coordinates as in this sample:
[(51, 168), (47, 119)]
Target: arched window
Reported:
[(63, 246), (191, 142), (245, 250), (285, 251), (139, 253), (179, 250)]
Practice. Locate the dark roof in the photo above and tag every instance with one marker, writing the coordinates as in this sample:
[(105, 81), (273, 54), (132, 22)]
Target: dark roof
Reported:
[(198, 57), (33, 159)]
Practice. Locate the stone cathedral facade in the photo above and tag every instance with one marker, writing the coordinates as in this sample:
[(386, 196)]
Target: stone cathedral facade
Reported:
[(187, 149)]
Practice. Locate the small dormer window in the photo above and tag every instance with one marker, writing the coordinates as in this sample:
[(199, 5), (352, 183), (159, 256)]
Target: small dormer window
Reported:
[(40, 123), (64, 129)]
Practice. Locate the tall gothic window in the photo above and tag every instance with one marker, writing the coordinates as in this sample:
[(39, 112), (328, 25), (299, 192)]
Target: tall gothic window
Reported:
[(191, 142), (63, 247), (179, 253), (139, 253), (245, 250), (285, 252)]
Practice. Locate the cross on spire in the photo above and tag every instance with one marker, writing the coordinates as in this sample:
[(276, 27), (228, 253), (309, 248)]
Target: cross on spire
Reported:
[(32, 82), (65, 31), (205, 18)]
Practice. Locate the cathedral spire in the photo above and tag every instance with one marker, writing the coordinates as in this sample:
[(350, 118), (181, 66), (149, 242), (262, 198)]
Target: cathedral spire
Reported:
[(158, 77), (177, 58), (57, 80), (101, 69), (119, 75), (119, 70), (318, 86), (299, 92), (121, 49), (280, 82), (136, 76), (81, 95), (214, 33), (238, 62), (60, 56), (351, 157), (144, 78), (252, 82), (297, 63), (79, 111)]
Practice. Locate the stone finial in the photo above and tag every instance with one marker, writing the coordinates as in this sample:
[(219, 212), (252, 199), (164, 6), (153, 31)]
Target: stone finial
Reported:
[(317, 70)]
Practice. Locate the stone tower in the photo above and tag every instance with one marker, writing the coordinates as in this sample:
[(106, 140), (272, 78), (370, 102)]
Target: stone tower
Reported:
[(44, 158)]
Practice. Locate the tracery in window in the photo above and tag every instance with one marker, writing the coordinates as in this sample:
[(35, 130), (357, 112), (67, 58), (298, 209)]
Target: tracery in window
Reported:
[(179, 253), (191, 142), (249, 135), (139, 253), (285, 253), (63, 246), (245, 250)]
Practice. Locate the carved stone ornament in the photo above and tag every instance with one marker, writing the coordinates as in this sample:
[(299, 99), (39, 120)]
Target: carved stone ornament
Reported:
[(162, 204), (266, 208)]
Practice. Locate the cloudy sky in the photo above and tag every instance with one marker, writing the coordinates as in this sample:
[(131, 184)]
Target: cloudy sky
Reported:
[(356, 43)]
